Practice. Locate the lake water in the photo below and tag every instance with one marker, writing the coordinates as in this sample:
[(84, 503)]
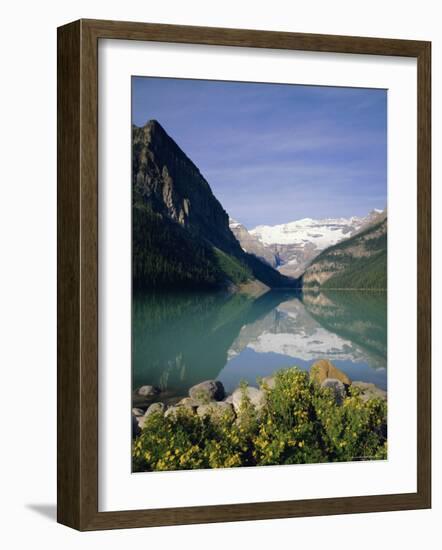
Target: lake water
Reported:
[(179, 340)]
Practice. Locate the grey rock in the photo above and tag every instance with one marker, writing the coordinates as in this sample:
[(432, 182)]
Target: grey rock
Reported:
[(153, 408), (175, 410), (256, 397), (188, 403), (268, 382), (228, 399), (137, 412), (209, 390), (337, 388), (171, 411), (369, 391), (148, 391), (217, 410)]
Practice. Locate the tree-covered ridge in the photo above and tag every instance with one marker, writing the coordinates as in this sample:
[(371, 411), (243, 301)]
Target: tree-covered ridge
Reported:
[(362, 273), (164, 256), (359, 262)]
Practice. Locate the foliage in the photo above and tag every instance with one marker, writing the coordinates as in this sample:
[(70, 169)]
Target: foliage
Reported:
[(165, 256), (235, 270), (186, 441), (300, 423), (366, 273)]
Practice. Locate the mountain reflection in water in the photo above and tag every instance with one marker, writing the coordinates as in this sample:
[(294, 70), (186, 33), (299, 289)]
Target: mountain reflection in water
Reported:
[(180, 339)]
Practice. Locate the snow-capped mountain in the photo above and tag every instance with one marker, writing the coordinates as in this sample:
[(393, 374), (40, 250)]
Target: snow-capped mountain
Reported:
[(295, 244)]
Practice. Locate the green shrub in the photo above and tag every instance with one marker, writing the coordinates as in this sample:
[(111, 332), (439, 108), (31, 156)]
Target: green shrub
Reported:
[(186, 441), (300, 423)]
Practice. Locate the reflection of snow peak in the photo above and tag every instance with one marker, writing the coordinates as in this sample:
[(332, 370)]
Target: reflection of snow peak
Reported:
[(321, 343), (290, 330)]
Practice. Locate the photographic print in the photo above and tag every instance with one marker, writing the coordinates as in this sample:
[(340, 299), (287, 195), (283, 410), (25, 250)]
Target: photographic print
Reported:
[(259, 274)]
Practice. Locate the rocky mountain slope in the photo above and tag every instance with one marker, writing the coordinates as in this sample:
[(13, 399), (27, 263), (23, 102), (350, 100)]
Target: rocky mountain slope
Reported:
[(181, 236), (252, 244), (292, 246), (357, 262)]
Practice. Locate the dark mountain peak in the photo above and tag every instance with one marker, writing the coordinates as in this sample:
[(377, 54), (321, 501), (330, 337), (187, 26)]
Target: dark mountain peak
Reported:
[(167, 184), (149, 126), (153, 123), (165, 149), (171, 184), (153, 127)]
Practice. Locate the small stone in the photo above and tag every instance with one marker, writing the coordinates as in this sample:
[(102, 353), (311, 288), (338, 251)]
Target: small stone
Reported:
[(137, 412)]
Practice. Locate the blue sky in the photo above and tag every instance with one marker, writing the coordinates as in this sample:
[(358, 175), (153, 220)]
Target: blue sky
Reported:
[(274, 153)]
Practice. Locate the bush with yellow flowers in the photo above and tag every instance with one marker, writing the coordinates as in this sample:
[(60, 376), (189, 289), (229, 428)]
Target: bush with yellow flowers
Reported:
[(299, 423)]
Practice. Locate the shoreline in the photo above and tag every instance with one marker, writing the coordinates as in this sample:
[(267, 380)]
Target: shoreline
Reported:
[(151, 398), (292, 417)]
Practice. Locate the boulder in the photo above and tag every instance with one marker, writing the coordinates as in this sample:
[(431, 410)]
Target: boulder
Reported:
[(325, 369), (153, 408), (369, 391), (172, 411), (268, 382), (228, 399), (337, 388), (217, 410), (148, 391), (256, 397), (175, 410), (209, 390), (188, 402), (141, 422)]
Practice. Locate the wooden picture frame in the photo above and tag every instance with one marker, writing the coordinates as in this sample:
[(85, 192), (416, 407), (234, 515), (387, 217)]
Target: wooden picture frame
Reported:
[(78, 274)]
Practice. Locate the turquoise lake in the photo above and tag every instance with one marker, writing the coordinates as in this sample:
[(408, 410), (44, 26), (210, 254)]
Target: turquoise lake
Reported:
[(180, 339)]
